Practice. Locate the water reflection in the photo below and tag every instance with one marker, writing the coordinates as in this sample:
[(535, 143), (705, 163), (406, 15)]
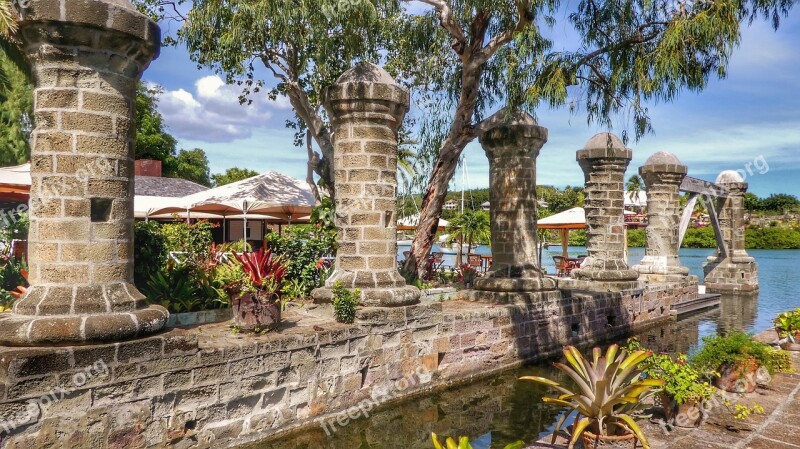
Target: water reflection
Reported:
[(500, 409), (494, 412)]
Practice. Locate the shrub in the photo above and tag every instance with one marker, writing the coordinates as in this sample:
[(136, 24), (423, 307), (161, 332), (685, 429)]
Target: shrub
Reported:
[(637, 238), (303, 246), (344, 303), (731, 350), (149, 251)]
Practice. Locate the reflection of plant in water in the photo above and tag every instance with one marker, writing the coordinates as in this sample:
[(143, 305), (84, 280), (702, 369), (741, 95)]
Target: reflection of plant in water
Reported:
[(463, 443)]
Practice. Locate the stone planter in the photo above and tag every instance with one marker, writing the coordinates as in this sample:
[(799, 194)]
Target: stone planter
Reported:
[(689, 415), (741, 377), (253, 314), (202, 317)]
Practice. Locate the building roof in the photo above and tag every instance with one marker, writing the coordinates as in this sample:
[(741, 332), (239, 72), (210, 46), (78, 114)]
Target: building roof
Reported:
[(166, 187)]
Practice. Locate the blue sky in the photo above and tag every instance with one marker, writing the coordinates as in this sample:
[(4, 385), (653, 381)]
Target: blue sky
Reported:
[(749, 121)]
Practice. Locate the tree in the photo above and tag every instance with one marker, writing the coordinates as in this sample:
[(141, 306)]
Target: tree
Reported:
[(493, 53), (16, 114), (634, 186), (152, 139), (191, 165), (232, 175), (779, 202), (304, 47), (752, 202), (470, 227)]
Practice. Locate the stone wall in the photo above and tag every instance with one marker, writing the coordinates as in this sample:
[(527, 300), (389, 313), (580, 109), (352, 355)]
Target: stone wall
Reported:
[(206, 387)]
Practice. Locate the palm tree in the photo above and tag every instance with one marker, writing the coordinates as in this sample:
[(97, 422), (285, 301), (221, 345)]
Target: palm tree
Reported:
[(16, 97), (634, 186), (9, 44), (470, 226)]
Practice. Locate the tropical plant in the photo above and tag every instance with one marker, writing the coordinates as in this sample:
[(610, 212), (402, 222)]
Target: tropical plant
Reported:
[(266, 271), (344, 303), (683, 383), (470, 227), (172, 288), (787, 324), (303, 246), (467, 274), (463, 443), (781, 360), (731, 350), (149, 251), (634, 186), (608, 389)]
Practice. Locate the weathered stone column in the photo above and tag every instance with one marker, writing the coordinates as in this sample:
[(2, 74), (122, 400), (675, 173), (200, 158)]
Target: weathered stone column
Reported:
[(604, 160), (366, 108), (662, 174), (512, 149), (736, 270), (86, 57)]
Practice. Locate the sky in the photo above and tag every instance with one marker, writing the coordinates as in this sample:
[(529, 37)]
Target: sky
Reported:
[(749, 121)]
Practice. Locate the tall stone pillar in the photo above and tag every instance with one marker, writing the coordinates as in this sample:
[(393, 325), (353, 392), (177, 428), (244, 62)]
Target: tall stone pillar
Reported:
[(604, 160), (734, 271), (512, 149), (86, 58), (366, 108), (662, 174)]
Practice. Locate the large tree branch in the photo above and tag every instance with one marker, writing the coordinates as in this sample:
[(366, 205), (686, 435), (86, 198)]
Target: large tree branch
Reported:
[(637, 38), (499, 41), (449, 23)]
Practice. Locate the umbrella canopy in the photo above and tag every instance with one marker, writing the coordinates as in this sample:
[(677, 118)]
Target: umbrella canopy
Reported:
[(282, 197), (161, 206), (410, 223), (574, 218)]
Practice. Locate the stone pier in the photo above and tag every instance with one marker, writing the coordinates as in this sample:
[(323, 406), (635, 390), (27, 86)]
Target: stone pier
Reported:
[(731, 269), (662, 174), (512, 149), (604, 160), (86, 59), (366, 108)]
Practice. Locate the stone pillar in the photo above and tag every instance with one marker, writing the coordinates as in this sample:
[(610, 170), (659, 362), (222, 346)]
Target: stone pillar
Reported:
[(86, 58), (512, 149), (735, 271), (662, 174), (604, 160), (366, 108)]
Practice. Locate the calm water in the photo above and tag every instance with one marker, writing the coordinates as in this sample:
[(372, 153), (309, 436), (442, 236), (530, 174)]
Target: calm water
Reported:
[(498, 410)]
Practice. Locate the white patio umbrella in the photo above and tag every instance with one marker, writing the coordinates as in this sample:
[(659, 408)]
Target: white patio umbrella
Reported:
[(574, 218)]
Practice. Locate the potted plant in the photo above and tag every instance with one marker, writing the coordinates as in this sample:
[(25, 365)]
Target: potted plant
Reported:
[(467, 275), (684, 389), (607, 392), (787, 325), (257, 306), (734, 361)]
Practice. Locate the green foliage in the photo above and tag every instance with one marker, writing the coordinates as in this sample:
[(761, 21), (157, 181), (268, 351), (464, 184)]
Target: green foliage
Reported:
[(731, 350), (194, 239), (684, 383), (471, 227), (344, 303), (779, 202), (232, 175), (772, 238), (191, 165), (463, 443), (702, 237), (16, 113), (303, 246), (577, 237), (149, 251), (559, 201), (787, 323), (172, 288), (152, 139), (781, 360), (742, 411), (637, 238), (607, 391), (266, 270)]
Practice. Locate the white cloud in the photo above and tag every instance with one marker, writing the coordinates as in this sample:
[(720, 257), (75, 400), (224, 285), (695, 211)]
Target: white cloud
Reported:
[(213, 112)]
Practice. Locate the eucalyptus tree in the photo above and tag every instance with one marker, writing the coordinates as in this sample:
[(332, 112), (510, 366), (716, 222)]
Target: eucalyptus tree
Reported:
[(293, 48), (478, 59)]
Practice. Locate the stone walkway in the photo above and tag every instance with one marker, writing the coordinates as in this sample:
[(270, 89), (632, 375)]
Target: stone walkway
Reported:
[(777, 428)]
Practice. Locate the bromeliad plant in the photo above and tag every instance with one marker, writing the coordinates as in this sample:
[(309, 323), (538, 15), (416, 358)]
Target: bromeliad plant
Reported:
[(608, 390)]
